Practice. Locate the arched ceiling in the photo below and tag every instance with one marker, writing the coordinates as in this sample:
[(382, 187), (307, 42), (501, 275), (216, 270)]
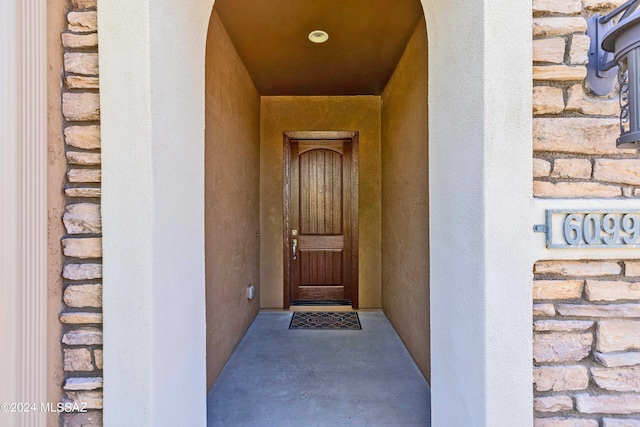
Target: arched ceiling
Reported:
[(366, 40)]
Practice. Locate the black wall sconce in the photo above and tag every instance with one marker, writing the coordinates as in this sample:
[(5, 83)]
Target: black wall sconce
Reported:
[(615, 49)]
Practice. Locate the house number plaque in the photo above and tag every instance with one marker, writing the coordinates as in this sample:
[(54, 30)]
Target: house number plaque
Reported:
[(591, 229)]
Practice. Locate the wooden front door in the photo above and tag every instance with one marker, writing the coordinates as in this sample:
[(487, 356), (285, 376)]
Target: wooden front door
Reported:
[(321, 218)]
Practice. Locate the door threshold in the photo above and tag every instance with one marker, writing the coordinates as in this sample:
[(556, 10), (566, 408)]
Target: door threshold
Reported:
[(321, 302), (321, 308)]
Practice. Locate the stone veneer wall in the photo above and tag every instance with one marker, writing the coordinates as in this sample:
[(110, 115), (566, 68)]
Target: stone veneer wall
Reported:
[(586, 329), (586, 324), (81, 313)]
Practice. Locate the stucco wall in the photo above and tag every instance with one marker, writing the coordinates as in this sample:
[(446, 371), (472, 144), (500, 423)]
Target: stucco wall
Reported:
[(405, 199), (232, 163), (57, 165), (359, 113)]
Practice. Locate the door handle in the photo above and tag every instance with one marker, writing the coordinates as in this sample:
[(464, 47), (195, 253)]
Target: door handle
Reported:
[(294, 245)]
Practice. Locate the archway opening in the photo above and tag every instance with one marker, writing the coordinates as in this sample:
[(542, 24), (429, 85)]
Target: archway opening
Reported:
[(263, 79), (152, 132)]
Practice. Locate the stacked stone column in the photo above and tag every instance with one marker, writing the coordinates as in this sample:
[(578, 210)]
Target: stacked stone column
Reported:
[(586, 326), (81, 313)]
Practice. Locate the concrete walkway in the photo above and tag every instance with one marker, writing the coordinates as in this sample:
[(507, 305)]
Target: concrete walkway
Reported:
[(304, 378)]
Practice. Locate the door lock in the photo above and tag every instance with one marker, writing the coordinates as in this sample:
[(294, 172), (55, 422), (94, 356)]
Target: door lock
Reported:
[(294, 245)]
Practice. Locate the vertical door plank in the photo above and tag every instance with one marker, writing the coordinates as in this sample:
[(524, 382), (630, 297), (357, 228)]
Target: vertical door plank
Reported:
[(313, 191), (346, 218), (337, 194), (304, 194), (322, 268), (320, 181)]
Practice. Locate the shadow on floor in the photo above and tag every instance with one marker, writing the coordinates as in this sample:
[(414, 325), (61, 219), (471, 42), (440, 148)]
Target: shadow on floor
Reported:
[(280, 377)]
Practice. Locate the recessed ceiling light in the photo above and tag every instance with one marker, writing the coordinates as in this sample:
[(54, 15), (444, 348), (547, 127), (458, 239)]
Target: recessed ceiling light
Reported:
[(318, 36)]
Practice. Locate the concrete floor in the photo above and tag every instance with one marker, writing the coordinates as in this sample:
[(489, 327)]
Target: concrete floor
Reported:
[(304, 378)]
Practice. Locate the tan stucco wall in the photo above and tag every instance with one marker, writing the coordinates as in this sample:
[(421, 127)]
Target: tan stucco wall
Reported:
[(232, 162), (56, 169), (352, 113), (405, 200)]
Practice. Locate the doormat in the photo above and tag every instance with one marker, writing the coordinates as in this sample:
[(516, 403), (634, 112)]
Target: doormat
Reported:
[(325, 320)]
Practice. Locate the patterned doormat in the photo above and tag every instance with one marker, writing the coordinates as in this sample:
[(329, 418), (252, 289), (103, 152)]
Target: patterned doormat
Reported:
[(325, 320)]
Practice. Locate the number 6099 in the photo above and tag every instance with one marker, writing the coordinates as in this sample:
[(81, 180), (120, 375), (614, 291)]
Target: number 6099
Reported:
[(611, 229)]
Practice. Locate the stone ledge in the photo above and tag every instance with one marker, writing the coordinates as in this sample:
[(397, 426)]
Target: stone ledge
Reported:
[(572, 168), (83, 158), (83, 295), (577, 268), (579, 52), (568, 7), (552, 404), (557, 289), (80, 383), (76, 318), (599, 310), (76, 41), (82, 82), (84, 4), (617, 379), (559, 73), (575, 190), (564, 422), (82, 271), (88, 192), (83, 336), (86, 137), (579, 101), (92, 399), (82, 419), (601, 5), (81, 63), (547, 100), (608, 404), (541, 168), (82, 218), (618, 335), (632, 268), (549, 50), (83, 22), (561, 346), (77, 360), (84, 175), (615, 360), (541, 310), (81, 107), (558, 26), (561, 325), (600, 290), (621, 171), (82, 247), (580, 135), (560, 378)]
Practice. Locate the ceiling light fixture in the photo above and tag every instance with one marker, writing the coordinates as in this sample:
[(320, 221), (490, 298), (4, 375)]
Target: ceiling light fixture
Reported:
[(318, 36)]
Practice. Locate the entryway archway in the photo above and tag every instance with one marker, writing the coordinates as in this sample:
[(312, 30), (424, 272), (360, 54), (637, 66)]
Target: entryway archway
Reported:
[(479, 140), (382, 101)]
